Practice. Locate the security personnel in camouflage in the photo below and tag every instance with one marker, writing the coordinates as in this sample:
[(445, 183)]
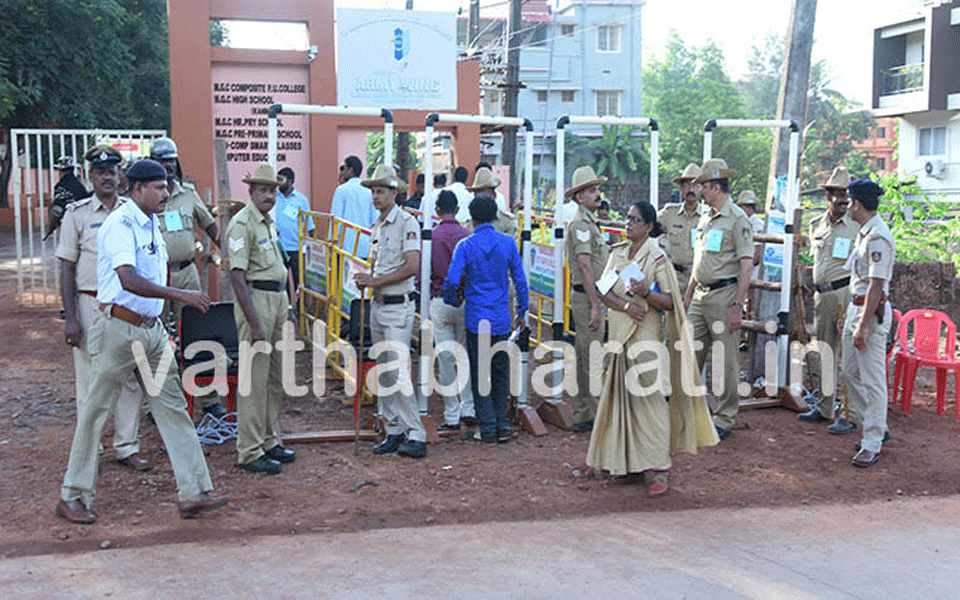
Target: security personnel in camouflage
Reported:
[(587, 258), (178, 222), (716, 294), (259, 276), (679, 221), (831, 240)]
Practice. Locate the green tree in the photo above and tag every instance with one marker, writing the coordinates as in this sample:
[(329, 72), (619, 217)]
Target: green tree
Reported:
[(617, 154), (924, 229), (375, 153), (82, 64), (683, 90)]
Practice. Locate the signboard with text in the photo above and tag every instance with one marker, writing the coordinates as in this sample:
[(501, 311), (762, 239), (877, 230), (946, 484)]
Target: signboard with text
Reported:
[(241, 95), (315, 267), (397, 59), (541, 270)]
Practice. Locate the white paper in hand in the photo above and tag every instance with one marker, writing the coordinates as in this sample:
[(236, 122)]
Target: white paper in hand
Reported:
[(606, 283), (631, 272)]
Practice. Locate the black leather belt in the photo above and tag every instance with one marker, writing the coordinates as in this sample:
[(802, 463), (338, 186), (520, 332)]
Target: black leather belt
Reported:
[(267, 286), (179, 266), (579, 288), (716, 285), (396, 299), (681, 268), (832, 285)]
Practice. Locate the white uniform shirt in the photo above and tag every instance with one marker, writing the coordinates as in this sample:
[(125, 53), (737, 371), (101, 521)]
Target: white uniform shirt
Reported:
[(129, 237)]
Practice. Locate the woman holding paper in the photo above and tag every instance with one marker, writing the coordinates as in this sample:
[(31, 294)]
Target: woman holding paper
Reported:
[(636, 429)]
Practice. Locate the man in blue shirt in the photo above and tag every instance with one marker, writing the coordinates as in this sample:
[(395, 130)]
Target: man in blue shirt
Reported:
[(131, 288), (289, 203), (482, 263), (353, 203)]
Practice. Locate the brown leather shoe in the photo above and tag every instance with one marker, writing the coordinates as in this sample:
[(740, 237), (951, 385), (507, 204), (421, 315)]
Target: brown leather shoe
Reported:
[(865, 458), (75, 512), (135, 462), (192, 507)]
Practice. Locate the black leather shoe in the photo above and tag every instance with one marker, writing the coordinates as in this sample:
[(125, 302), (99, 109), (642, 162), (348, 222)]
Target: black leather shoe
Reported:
[(449, 427), (812, 416), (281, 454), (390, 444), (722, 433), (413, 449), (264, 464), (583, 426), (217, 410), (470, 421)]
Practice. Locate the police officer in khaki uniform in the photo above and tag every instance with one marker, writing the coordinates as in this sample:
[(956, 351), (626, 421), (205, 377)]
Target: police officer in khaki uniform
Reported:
[(394, 264), (184, 211), (831, 240), (258, 275), (716, 294), (77, 251), (587, 257), (131, 288), (868, 319), (679, 221)]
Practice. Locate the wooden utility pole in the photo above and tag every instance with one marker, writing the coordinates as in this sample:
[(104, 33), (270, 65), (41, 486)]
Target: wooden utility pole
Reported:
[(791, 104), (511, 89)]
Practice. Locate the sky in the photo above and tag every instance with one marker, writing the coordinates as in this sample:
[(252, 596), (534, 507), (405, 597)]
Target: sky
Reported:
[(843, 34)]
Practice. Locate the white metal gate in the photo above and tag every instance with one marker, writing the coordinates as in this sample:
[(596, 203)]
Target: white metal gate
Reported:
[(34, 153)]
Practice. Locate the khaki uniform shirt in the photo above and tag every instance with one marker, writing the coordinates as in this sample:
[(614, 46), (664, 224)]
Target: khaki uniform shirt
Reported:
[(723, 238), (584, 237), (831, 244), (78, 238), (254, 246), (390, 238), (679, 232), (184, 210), (873, 255)]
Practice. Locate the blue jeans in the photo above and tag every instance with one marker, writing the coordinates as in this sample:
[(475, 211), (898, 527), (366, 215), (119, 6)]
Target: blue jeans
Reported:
[(491, 408)]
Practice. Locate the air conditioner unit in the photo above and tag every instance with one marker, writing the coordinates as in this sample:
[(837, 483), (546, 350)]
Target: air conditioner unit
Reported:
[(935, 168)]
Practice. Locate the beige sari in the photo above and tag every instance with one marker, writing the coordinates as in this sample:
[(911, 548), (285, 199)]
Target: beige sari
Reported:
[(634, 432)]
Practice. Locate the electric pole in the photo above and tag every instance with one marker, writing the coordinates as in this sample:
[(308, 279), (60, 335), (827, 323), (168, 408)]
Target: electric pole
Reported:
[(511, 89)]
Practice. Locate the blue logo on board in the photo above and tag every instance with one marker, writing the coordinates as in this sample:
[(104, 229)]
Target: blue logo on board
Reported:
[(401, 43)]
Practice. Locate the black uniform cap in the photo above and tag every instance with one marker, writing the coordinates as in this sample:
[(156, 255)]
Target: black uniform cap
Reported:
[(146, 170)]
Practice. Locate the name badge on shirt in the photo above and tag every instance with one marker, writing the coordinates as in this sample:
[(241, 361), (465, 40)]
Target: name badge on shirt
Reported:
[(714, 240), (172, 221), (847, 266), (841, 248), (693, 238), (291, 211)]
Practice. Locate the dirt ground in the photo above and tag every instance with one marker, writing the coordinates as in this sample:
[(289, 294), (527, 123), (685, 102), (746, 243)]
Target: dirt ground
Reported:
[(772, 459)]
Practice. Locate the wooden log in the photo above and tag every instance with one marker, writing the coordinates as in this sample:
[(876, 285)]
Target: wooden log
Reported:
[(337, 435), (769, 286)]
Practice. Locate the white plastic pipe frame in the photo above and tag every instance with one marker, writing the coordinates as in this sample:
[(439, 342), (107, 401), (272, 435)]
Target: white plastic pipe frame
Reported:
[(427, 208), (315, 109), (559, 227), (793, 192)]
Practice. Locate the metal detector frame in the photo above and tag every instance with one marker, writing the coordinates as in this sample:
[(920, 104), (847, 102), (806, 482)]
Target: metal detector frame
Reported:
[(793, 190), (559, 288), (316, 109)]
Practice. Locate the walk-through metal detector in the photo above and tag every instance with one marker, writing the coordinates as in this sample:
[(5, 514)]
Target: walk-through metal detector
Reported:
[(527, 416), (559, 289), (792, 193), (316, 109)]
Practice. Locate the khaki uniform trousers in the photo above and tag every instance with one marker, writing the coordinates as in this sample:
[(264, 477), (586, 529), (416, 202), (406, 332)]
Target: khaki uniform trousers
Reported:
[(828, 307), (126, 419), (449, 326), (394, 323), (865, 374), (257, 411), (707, 308), (113, 361), (585, 404), (683, 279)]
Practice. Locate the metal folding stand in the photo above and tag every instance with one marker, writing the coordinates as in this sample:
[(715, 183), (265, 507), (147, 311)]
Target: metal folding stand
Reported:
[(527, 416), (555, 410), (785, 396)]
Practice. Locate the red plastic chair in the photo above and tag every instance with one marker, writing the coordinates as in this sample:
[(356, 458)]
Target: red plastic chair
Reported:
[(929, 327), (896, 318)]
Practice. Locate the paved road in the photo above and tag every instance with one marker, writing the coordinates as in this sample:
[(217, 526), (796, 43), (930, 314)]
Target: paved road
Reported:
[(900, 549)]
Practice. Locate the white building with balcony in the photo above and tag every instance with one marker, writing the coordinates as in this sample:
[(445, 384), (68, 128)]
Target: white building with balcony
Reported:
[(916, 77)]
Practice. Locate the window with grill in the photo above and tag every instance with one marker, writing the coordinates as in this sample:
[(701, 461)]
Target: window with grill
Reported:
[(566, 96), (608, 38), (566, 30), (932, 141), (608, 103), (541, 95)]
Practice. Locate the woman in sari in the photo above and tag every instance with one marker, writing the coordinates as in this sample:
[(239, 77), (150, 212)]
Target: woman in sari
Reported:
[(647, 410)]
